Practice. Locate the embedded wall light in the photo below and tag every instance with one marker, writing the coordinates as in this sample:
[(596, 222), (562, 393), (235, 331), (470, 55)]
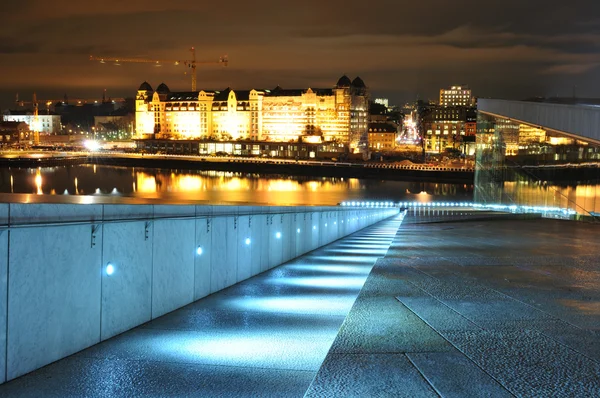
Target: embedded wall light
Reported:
[(110, 269)]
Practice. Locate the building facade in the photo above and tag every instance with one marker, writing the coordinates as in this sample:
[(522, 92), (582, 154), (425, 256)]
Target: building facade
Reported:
[(456, 96), (338, 114), (382, 136), (15, 132), (46, 124), (445, 126)]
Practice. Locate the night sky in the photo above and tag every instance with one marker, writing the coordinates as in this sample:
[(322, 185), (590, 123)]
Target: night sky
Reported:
[(403, 50)]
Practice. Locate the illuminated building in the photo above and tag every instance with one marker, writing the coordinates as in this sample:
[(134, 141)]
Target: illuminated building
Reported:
[(382, 101), (338, 114), (13, 132), (445, 126), (456, 96), (45, 123), (382, 136)]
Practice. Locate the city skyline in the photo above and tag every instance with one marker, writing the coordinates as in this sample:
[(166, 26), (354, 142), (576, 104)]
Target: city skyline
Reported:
[(404, 51)]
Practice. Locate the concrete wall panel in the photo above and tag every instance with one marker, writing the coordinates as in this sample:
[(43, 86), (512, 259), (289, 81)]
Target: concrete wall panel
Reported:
[(60, 299), (202, 261), (126, 294), (173, 265), (128, 212), (3, 303), (287, 237), (54, 295), (222, 261), (29, 213), (244, 251), (256, 225), (262, 241), (275, 242)]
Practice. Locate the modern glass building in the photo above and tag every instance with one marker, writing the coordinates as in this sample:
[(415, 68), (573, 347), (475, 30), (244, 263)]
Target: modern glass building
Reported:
[(539, 157)]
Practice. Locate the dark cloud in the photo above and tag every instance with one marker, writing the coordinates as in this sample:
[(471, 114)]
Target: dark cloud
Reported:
[(410, 48), (13, 46)]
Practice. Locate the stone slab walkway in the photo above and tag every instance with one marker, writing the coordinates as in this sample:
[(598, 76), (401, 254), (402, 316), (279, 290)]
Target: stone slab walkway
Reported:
[(480, 308), (265, 337)]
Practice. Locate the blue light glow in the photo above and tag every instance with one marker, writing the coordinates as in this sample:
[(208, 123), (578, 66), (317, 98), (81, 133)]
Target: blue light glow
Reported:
[(248, 241), (110, 269), (278, 235), (199, 251)]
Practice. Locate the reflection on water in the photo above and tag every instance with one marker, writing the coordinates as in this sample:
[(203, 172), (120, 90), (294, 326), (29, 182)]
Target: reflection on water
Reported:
[(582, 198), (219, 187)]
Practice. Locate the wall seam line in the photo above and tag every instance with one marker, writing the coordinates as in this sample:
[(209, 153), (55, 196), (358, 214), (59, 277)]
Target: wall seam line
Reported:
[(7, 297)]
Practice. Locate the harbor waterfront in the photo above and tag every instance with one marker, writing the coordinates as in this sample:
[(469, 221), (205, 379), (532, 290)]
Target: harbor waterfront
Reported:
[(184, 186)]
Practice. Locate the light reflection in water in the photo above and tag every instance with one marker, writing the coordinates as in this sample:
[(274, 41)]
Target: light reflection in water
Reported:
[(38, 182), (219, 187)]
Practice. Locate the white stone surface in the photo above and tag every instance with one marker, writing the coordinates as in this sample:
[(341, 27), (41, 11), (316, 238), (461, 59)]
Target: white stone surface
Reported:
[(275, 244), (244, 251), (62, 301), (4, 213), (127, 212), (315, 229), (202, 266), (223, 258), (287, 238), (173, 265), (29, 213), (3, 304), (231, 254), (126, 294), (256, 226), (174, 211), (54, 295), (262, 241)]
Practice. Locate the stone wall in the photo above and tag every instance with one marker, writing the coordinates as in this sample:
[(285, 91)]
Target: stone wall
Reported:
[(57, 298)]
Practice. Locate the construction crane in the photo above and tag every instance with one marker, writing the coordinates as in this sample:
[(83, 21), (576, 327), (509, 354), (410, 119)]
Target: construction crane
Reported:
[(192, 63)]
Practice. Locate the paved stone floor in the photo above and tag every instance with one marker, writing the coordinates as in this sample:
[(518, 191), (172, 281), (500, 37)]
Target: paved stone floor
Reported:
[(267, 336), (474, 308), (461, 305)]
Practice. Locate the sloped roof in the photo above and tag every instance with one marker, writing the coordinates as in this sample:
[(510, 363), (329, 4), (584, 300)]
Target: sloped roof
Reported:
[(344, 81), (183, 96), (145, 86), (163, 89), (358, 83), (382, 128), (240, 95)]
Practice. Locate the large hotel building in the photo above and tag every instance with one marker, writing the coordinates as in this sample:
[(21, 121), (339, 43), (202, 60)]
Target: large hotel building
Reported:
[(312, 115)]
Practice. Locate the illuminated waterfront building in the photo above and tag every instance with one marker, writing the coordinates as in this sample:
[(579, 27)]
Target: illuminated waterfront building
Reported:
[(456, 96), (14, 132), (338, 114), (43, 123), (445, 127), (382, 136)]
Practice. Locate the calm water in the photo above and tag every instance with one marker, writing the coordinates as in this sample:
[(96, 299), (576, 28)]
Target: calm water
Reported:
[(219, 187)]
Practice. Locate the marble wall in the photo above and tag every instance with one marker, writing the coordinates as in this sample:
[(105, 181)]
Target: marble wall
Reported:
[(58, 297)]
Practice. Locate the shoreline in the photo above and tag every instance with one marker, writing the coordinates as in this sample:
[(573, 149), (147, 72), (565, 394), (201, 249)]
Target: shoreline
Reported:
[(383, 171)]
